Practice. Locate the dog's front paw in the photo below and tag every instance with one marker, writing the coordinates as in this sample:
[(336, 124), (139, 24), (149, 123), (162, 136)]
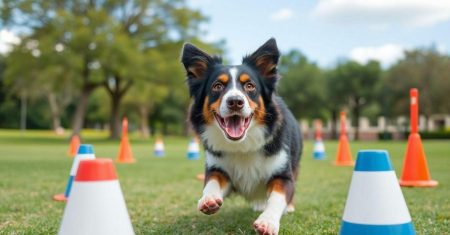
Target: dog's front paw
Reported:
[(266, 226), (210, 204)]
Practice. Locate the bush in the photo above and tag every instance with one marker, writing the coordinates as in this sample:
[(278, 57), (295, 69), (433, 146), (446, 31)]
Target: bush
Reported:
[(435, 135)]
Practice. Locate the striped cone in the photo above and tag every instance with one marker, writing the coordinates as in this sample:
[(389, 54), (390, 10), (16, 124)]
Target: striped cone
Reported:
[(375, 203), (193, 150), (319, 147), (96, 205), (159, 148), (319, 150), (85, 151)]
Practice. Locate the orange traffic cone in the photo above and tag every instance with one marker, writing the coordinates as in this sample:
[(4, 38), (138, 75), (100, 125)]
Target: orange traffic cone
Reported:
[(125, 155), (74, 145), (415, 167), (344, 155)]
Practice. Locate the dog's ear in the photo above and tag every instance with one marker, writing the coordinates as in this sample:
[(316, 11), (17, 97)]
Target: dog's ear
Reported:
[(196, 63), (265, 60)]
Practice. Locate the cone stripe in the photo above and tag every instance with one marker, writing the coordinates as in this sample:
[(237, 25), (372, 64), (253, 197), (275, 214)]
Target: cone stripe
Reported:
[(76, 161), (96, 170), (373, 160), (398, 229), (385, 205), (85, 149), (69, 186)]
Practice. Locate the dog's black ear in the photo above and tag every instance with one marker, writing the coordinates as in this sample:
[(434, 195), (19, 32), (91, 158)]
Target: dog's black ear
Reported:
[(265, 60), (195, 61)]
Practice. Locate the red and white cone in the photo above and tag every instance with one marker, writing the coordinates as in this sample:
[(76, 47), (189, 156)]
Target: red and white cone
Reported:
[(96, 204)]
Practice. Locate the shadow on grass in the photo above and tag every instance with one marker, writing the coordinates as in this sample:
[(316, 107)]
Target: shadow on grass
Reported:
[(235, 220)]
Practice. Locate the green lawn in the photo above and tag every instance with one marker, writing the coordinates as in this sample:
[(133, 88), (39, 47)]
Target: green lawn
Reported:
[(162, 193)]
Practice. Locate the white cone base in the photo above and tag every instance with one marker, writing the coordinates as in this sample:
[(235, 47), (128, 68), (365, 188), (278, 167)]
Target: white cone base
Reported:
[(96, 208), (375, 198)]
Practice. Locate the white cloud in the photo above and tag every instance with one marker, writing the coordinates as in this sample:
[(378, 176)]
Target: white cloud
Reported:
[(386, 54), (7, 39), (384, 13), (282, 15)]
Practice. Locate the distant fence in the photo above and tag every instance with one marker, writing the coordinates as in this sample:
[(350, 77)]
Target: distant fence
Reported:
[(437, 127)]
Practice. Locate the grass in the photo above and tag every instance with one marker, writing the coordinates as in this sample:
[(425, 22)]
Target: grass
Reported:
[(161, 193)]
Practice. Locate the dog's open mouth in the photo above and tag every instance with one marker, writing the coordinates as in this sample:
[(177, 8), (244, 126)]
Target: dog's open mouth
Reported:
[(234, 126)]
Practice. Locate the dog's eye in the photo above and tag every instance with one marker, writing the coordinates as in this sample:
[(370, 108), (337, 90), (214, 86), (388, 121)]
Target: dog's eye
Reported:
[(249, 86), (217, 87)]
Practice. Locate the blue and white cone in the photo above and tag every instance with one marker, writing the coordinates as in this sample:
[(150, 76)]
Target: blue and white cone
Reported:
[(85, 152), (319, 150), (159, 148), (193, 150), (375, 203)]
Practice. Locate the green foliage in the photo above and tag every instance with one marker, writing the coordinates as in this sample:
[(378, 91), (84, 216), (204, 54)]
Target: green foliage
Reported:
[(302, 86), (425, 69)]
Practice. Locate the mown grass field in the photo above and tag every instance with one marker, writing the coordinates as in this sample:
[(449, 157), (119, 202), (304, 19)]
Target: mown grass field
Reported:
[(162, 193)]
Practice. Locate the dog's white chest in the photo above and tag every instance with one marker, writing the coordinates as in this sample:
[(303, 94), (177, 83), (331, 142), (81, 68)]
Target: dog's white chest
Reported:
[(249, 172)]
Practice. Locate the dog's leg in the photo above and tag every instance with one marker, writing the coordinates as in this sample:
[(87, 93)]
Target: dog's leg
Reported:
[(216, 187), (280, 192)]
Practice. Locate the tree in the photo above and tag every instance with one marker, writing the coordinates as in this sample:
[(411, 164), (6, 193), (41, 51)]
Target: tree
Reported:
[(302, 86), (109, 38), (164, 88), (356, 84), (425, 69)]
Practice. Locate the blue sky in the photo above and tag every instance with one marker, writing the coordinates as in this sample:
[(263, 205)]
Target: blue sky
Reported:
[(329, 30), (325, 30)]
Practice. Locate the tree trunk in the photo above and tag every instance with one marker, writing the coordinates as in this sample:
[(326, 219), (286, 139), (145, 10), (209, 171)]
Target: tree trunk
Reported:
[(333, 123), (115, 124), (54, 109), (80, 112), (143, 115), (116, 93), (23, 112), (356, 114)]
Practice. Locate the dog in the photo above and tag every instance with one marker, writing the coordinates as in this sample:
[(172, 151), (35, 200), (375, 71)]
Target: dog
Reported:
[(252, 141)]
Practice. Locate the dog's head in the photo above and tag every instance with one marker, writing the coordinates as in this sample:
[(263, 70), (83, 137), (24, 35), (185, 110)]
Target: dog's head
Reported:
[(231, 98)]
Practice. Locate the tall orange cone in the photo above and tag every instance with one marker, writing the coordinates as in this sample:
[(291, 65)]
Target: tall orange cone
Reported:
[(74, 145), (415, 167), (344, 155), (125, 155)]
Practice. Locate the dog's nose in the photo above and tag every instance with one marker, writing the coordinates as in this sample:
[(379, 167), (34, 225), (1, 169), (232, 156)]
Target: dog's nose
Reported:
[(235, 103)]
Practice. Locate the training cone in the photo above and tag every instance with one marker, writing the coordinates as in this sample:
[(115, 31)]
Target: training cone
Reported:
[(159, 148), (85, 151), (344, 155), (125, 155), (375, 203), (415, 167), (193, 152), (96, 205), (319, 147), (74, 144)]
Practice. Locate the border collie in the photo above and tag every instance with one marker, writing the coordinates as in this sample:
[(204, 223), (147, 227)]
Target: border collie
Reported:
[(252, 141)]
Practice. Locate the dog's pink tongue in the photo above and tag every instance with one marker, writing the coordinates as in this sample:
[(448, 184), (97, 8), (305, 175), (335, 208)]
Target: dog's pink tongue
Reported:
[(234, 126)]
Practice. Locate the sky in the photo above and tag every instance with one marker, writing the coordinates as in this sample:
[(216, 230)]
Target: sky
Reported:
[(329, 30), (325, 31)]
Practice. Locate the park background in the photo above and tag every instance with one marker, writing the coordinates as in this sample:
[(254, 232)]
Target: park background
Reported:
[(78, 67)]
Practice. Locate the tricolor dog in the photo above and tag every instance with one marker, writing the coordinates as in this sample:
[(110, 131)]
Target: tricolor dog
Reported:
[(252, 141)]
